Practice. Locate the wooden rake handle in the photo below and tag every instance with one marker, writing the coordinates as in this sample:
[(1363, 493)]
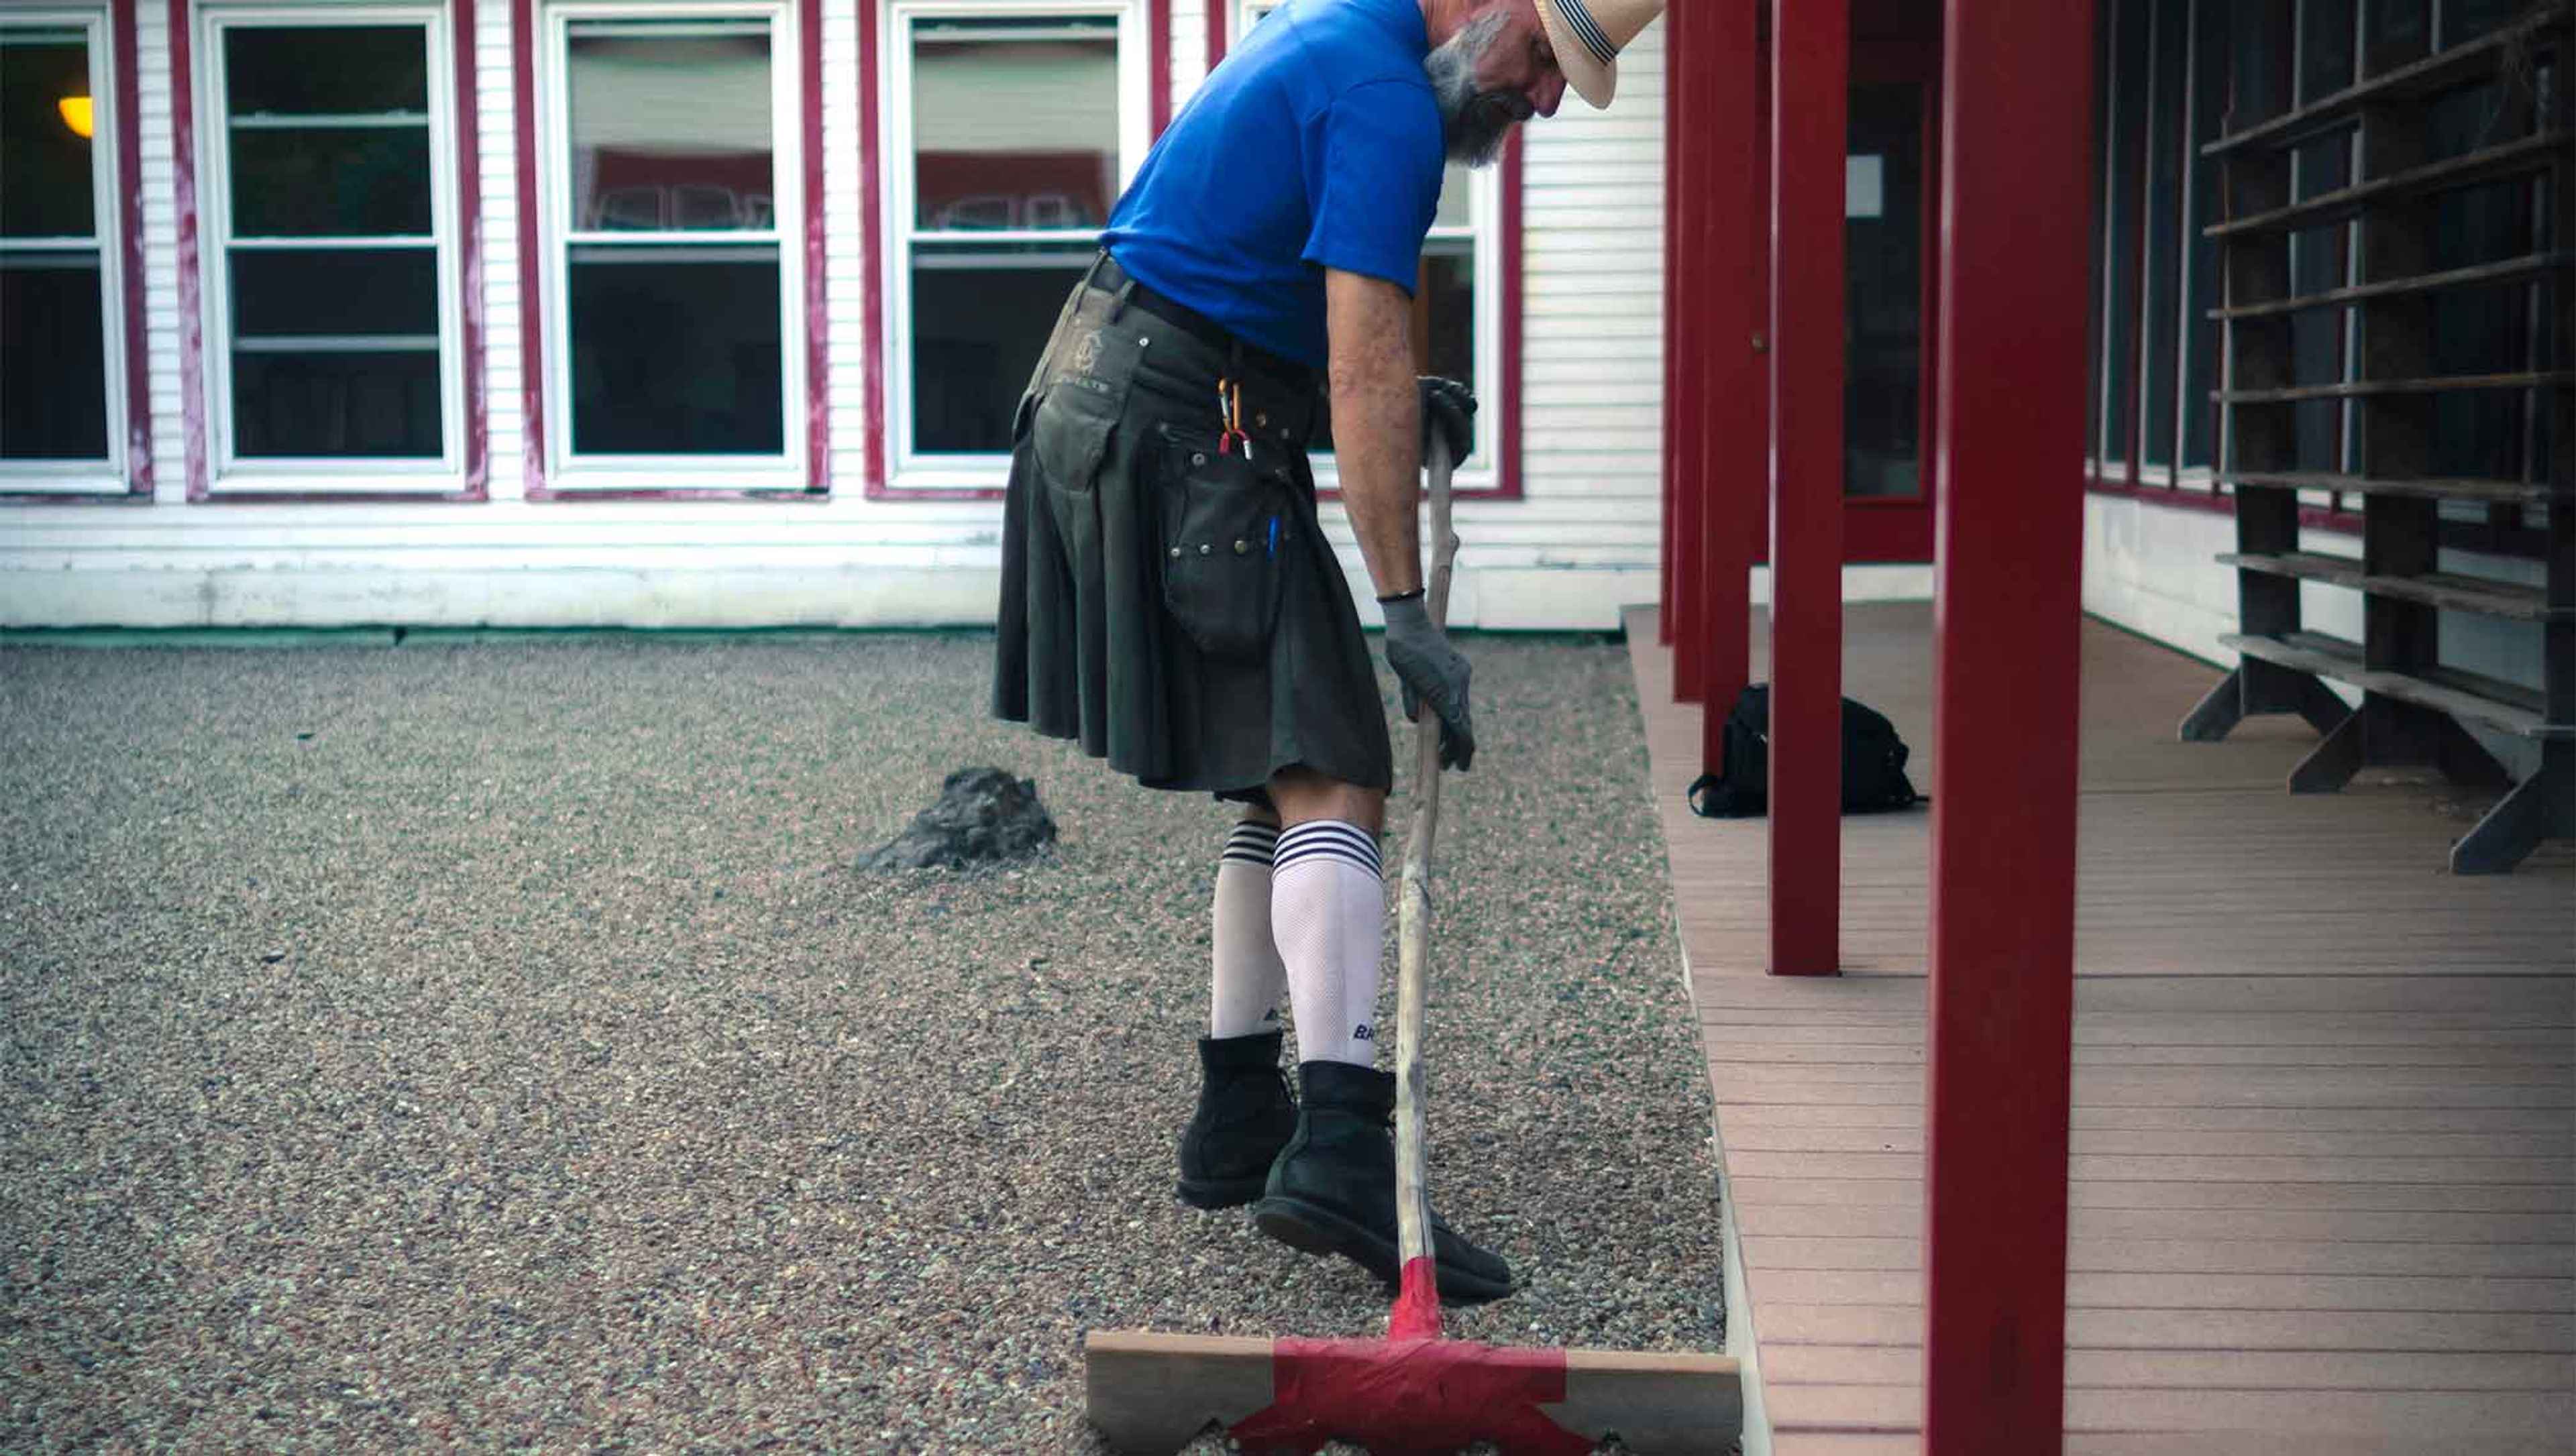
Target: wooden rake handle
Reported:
[(1417, 1307)]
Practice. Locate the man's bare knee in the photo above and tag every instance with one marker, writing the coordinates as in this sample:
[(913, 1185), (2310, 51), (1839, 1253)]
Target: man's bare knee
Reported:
[(1304, 796)]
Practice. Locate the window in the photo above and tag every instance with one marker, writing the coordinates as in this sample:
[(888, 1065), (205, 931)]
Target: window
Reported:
[(2177, 75), (61, 360), (2168, 89), (671, 185), (1457, 305), (2125, 142), (328, 206), (996, 209)]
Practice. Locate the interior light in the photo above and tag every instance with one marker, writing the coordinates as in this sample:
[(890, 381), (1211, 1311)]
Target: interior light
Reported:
[(78, 114)]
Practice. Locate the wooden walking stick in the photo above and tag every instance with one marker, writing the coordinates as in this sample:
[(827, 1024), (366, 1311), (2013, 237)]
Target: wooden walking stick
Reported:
[(1412, 1393), (1417, 1304)]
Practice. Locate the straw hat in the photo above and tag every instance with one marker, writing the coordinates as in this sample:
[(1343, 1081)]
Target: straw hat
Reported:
[(1588, 36)]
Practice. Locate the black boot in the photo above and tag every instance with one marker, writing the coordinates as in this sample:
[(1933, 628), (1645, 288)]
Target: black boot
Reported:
[(1243, 1119), (1333, 1190)]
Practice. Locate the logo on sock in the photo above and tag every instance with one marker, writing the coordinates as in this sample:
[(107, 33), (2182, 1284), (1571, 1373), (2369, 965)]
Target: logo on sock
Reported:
[(1364, 1034)]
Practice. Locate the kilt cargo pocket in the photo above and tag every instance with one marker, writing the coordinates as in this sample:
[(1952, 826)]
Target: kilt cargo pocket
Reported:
[(1069, 433), (1225, 525), (1080, 407)]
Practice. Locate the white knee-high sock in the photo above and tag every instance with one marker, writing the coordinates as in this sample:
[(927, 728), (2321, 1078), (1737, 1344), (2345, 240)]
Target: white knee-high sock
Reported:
[(1248, 979), (1327, 910)]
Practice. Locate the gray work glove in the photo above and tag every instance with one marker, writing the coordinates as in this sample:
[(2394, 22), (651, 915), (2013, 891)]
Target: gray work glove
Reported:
[(1448, 411), (1432, 671)]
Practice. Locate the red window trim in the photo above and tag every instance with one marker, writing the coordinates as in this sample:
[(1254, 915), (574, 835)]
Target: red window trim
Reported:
[(2315, 518), (469, 264), (121, 21), (818, 403), (1508, 484), (1158, 62)]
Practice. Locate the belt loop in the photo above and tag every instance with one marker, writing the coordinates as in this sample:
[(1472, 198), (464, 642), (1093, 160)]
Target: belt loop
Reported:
[(1118, 300), (1091, 275)]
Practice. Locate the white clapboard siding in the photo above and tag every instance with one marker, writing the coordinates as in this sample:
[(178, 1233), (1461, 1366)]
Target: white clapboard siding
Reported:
[(161, 319), (847, 283), (1591, 365), (1189, 47), (1583, 542), (504, 340)]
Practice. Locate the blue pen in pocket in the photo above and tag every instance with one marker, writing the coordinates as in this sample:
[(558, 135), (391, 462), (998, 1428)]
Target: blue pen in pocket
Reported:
[(1274, 538)]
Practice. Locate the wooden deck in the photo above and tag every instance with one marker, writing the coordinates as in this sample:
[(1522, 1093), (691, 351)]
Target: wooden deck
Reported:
[(2324, 1165)]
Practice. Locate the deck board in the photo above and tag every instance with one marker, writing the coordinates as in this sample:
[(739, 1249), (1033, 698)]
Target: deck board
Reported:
[(2323, 1180)]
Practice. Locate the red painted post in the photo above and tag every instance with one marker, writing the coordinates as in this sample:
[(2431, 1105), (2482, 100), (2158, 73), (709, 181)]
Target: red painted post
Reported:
[(1689, 202), (2017, 135), (1811, 78), (1726, 63), (1677, 439)]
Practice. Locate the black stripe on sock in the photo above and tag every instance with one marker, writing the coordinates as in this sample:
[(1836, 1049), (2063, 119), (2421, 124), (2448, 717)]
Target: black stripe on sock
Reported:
[(1326, 837), (1253, 844)]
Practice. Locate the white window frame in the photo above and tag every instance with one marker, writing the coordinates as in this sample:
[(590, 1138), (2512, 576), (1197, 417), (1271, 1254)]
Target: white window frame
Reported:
[(87, 475), (912, 470), (1484, 225), (788, 470), (332, 475)]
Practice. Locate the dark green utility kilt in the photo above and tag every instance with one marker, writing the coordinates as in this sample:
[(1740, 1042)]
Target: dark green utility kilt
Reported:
[(1171, 605)]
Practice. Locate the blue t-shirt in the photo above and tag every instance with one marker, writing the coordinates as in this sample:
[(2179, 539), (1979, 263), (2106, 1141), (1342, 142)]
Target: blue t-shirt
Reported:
[(1315, 145)]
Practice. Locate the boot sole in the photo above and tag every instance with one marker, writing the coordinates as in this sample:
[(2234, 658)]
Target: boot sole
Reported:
[(1216, 1193), (1310, 1228)]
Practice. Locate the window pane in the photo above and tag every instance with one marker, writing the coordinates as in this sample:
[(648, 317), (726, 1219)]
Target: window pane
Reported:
[(1046, 159), (2128, 147), (337, 403), (2163, 318), (2258, 63), (1449, 301), (316, 70), (322, 182), (53, 359), (1457, 197), (328, 132), (2481, 330), (979, 318), (301, 292), (671, 130), (2325, 48), (676, 351), (1883, 289), (2206, 288), (2466, 20), (335, 353), (45, 166), (2317, 263), (2398, 30)]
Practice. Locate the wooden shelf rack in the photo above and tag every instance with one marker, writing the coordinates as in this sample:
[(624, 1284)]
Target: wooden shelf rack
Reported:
[(2414, 710)]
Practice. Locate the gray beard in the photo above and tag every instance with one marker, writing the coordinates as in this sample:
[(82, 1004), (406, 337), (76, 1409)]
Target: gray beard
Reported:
[(1474, 124)]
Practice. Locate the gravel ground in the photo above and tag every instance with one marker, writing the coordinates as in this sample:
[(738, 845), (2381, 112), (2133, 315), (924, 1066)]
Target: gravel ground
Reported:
[(487, 1043)]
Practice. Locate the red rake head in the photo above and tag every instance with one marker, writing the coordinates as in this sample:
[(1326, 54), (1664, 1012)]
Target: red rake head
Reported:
[(1410, 1397)]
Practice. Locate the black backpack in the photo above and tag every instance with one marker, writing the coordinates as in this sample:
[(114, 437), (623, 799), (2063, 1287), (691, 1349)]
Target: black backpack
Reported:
[(1873, 763)]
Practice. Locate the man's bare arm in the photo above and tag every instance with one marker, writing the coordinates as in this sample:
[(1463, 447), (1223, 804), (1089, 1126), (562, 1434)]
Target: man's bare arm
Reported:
[(1377, 423)]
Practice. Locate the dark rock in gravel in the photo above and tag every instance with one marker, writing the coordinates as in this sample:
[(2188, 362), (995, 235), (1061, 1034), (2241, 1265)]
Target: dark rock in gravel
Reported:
[(983, 816)]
